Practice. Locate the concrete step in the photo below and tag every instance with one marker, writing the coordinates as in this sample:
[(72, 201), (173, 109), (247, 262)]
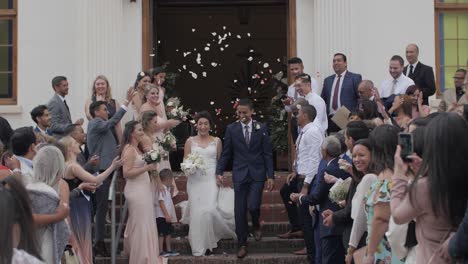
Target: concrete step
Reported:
[(268, 213), (229, 246), (268, 229), (251, 258)]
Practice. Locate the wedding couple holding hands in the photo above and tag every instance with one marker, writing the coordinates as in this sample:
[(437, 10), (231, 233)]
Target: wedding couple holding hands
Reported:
[(213, 212)]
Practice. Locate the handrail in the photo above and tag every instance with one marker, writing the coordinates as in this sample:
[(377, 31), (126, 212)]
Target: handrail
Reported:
[(123, 211)]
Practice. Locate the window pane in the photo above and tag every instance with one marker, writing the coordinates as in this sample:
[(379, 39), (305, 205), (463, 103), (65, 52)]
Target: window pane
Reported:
[(463, 26), (463, 52), (6, 55), (449, 72), (6, 4), (453, 1), (450, 53), (450, 26), (6, 28), (6, 85)]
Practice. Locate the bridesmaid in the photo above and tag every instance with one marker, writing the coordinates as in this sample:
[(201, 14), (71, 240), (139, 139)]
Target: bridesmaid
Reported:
[(142, 79), (101, 91), (141, 236)]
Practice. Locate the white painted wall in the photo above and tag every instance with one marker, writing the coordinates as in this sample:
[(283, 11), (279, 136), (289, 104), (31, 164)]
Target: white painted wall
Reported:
[(77, 39), (369, 32)]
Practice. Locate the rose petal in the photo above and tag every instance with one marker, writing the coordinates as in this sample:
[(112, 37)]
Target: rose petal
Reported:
[(207, 48), (222, 49), (204, 74), (235, 81), (266, 65), (211, 103), (214, 64), (238, 36), (250, 58), (251, 50), (213, 33), (224, 27), (248, 34), (278, 59)]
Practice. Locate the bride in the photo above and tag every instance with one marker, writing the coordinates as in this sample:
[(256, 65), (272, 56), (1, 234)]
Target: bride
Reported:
[(210, 209)]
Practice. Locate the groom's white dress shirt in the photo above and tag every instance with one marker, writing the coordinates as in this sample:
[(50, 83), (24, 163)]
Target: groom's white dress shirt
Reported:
[(308, 154)]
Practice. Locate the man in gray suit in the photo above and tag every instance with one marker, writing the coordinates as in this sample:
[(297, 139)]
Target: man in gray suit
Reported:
[(101, 142), (61, 123)]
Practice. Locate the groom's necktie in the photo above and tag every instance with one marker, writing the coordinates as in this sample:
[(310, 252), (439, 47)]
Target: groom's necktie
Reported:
[(247, 135)]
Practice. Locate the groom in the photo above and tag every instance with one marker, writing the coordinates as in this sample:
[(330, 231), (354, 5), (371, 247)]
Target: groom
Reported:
[(248, 145)]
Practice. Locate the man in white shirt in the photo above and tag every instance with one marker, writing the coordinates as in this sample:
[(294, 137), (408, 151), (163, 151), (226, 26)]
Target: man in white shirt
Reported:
[(295, 67), (397, 84), (306, 164), (304, 88)]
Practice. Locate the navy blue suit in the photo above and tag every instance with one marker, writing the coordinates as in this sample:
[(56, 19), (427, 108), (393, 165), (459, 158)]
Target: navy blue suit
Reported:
[(332, 246), (349, 90), (252, 165), (458, 246)]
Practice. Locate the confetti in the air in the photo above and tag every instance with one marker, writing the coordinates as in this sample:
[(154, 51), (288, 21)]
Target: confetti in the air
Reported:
[(250, 58), (235, 81), (248, 35), (229, 33), (204, 74), (214, 64), (251, 50), (224, 27), (250, 89), (211, 103), (221, 49), (262, 82), (208, 44), (198, 58), (278, 59), (207, 48), (227, 45), (187, 53), (195, 49), (194, 75), (152, 55), (179, 70), (238, 36), (185, 67), (193, 30), (159, 42), (213, 33), (266, 65), (177, 50)]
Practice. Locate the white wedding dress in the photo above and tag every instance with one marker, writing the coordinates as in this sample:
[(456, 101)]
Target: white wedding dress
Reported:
[(209, 211)]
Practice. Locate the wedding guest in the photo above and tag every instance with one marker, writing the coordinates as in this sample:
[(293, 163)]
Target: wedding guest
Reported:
[(328, 240), (101, 91), (141, 234), (18, 243), (419, 110), (47, 193), (397, 84), (163, 214), (40, 115), (80, 206), (23, 145), (90, 164), (102, 142), (142, 79), (421, 74), (451, 96), (400, 114), (458, 243), (61, 122), (5, 132), (383, 140), (4, 170), (304, 88), (436, 199), (366, 90)]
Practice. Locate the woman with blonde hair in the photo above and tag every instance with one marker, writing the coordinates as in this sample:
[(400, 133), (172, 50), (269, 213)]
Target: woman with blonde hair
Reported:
[(80, 206), (101, 91), (48, 193)]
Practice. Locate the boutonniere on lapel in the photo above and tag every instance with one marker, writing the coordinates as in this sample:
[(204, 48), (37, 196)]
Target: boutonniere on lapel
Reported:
[(256, 126)]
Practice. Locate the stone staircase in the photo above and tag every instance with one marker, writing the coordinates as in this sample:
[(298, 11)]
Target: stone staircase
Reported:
[(269, 250)]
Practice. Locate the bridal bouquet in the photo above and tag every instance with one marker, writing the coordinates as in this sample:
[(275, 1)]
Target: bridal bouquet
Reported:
[(153, 156), (192, 163), (168, 142), (339, 190), (176, 110)]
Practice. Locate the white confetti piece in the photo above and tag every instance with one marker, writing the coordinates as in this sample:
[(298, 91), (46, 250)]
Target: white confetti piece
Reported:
[(193, 30), (195, 49), (152, 55), (221, 49), (229, 33), (198, 58), (237, 99), (194, 75), (213, 33), (185, 67), (250, 89), (278, 59), (208, 44), (262, 82), (187, 53), (270, 71), (235, 81), (238, 36), (211, 103), (248, 35), (251, 50), (179, 70), (227, 45), (207, 48), (266, 65), (224, 27), (177, 50), (159, 42), (214, 64), (250, 58), (204, 74)]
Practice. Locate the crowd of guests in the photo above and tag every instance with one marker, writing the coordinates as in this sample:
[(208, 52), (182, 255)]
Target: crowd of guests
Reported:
[(398, 209)]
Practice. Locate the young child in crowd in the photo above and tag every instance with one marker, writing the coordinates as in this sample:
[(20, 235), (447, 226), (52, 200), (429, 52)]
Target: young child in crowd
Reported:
[(163, 214)]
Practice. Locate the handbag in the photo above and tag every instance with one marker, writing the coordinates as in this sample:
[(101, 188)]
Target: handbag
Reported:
[(69, 256), (359, 255)]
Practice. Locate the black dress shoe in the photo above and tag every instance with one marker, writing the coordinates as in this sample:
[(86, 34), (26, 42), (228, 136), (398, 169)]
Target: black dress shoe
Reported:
[(242, 252), (100, 249)]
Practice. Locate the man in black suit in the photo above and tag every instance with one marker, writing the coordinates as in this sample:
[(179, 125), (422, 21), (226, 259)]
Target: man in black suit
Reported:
[(340, 89), (422, 75)]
